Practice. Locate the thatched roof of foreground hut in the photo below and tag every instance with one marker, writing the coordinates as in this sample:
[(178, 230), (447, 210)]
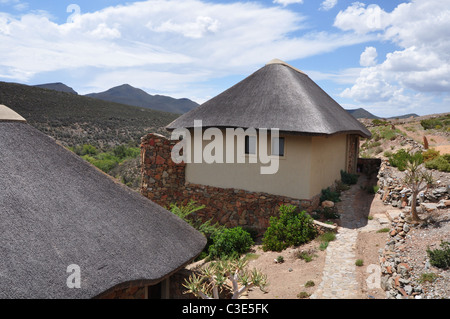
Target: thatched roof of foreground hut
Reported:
[(276, 96), (57, 210)]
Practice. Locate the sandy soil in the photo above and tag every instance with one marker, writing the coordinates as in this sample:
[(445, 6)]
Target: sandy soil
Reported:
[(367, 248), (288, 279)]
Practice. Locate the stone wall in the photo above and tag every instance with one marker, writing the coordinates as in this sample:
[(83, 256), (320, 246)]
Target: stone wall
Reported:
[(163, 181)]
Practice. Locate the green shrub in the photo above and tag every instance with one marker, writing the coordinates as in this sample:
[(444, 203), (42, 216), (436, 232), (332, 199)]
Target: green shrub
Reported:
[(379, 122), (430, 155), (327, 237), (427, 277), (441, 163), (440, 257), (307, 256), (106, 165), (309, 283), (328, 194), (230, 243), (303, 295), (387, 153), (89, 150), (359, 262), (401, 158), (430, 123), (206, 228), (348, 178), (292, 228)]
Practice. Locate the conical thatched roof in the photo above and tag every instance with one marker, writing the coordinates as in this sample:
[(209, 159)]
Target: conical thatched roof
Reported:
[(57, 210), (275, 96)]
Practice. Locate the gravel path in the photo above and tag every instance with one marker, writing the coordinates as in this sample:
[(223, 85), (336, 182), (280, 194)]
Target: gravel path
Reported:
[(339, 279)]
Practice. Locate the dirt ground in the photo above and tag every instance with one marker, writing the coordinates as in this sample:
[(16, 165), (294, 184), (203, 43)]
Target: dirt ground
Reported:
[(367, 248), (288, 279)]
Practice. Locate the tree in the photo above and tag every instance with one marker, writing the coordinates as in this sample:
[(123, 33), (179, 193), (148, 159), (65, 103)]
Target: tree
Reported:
[(229, 276), (418, 179)]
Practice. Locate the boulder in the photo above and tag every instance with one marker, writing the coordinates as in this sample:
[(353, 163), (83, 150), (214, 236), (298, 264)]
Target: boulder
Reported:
[(327, 203)]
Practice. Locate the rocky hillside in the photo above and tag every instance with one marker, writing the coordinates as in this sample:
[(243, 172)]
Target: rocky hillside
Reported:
[(389, 136), (415, 260)]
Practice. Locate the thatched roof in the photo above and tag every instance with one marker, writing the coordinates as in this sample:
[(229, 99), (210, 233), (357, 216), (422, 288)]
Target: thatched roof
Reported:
[(57, 210), (275, 96)]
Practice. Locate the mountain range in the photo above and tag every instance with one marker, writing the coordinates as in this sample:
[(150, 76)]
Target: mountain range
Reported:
[(126, 94), (364, 114), (129, 95)]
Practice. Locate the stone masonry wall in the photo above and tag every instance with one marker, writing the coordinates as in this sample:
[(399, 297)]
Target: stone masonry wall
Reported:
[(163, 181)]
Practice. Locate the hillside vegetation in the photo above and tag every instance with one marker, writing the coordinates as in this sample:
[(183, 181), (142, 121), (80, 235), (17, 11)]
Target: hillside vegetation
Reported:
[(76, 120), (104, 133), (393, 139)]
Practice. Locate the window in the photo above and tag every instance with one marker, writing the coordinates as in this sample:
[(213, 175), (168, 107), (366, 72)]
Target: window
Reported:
[(278, 146), (250, 145)]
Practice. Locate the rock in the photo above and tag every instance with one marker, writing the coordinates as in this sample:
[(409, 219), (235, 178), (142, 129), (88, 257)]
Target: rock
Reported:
[(328, 204), (439, 190), (385, 283), (408, 289), (406, 228), (429, 207), (443, 203), (393, 213)]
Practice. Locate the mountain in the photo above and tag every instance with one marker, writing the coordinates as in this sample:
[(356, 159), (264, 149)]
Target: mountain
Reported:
[(61, 87), (76, 120), (362, 114), (126, 94), (404, 116)]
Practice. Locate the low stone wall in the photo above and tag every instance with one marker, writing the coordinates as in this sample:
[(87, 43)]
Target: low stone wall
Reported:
[(163, 181)]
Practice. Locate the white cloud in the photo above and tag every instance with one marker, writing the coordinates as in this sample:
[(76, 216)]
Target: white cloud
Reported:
[(328, 4), (368, 57), (421, 65), (361, 20), (158, 43), (287, 2)]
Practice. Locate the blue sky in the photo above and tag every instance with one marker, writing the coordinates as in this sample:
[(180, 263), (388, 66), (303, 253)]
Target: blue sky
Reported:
[(389, 57)]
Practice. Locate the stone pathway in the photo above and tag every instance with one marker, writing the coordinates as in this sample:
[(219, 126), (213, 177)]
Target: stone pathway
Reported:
[(339, 276)]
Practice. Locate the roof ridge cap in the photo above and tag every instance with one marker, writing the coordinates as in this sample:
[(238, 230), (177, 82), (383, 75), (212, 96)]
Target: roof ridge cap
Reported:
[(278, 61)]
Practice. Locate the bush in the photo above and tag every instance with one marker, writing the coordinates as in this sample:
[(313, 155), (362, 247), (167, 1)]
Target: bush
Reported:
[(348, 178), (328, 194), (440, 257), (402, 157), (206, 228), (379, 122), (230, 243), (441, 163), (430, 154), (292, 228), (430, 123)]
